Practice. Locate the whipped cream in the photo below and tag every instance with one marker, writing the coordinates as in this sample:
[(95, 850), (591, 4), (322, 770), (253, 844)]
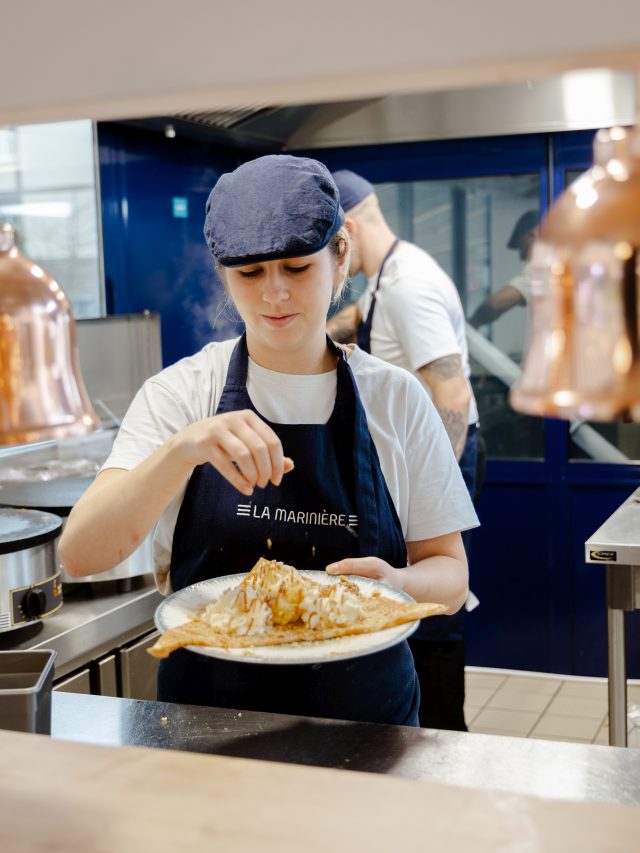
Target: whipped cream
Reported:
[(282, 597), (332, 605), (239, 611)]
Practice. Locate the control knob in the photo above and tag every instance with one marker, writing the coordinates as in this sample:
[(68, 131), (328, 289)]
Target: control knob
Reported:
[(33, 603)]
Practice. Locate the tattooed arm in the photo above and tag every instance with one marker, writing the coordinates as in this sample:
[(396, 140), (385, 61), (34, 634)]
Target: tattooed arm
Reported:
[(451, 396), (342, 326)]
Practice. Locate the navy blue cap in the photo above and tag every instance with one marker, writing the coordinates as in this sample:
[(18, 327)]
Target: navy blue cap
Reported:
[(353, 188), (278, 206), (527, 222)]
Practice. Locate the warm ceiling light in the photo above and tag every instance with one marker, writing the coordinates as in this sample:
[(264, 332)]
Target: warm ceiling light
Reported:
[(42, 395), (583, 353)]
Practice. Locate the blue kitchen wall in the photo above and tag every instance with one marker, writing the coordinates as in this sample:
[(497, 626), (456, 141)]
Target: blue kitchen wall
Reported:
[(154, 192)]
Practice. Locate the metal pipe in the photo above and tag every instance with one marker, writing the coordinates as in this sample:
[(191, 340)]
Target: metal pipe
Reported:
[(617, 677)]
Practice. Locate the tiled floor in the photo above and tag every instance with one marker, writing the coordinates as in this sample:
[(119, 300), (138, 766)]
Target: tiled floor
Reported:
[(550, 707)]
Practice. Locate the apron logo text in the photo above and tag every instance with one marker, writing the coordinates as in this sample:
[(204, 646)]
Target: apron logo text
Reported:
[(291, 516)]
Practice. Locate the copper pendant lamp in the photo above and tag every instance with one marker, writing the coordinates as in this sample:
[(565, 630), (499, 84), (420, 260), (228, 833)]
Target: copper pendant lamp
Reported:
[(42, 395), (583, 354)]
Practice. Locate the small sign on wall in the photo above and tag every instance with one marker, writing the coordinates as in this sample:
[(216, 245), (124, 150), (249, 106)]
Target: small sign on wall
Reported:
[(180, 207)]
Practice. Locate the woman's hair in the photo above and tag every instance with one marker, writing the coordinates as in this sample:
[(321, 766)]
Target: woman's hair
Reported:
[(340, 248)]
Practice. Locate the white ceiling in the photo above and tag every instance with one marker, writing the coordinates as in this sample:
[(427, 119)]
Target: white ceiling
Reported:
[(126, 58)]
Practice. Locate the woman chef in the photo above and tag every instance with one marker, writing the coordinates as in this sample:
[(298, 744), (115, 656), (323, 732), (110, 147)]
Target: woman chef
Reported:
[(206, 448)]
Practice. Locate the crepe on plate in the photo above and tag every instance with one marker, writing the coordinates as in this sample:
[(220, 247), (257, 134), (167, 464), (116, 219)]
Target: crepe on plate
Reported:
[(274, 604)]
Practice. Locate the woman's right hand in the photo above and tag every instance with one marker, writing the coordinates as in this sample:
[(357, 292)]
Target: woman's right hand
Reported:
[(240, 445)]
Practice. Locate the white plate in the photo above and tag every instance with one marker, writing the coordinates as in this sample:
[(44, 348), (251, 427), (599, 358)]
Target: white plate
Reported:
[(180, 607)]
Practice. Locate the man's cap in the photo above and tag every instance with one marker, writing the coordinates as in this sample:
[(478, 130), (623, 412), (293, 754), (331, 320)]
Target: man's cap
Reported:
[(527, 222), (353, 188), (278, 206)]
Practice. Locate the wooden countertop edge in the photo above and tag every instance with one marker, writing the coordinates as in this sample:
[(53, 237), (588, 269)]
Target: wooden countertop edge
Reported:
[(57, 795)]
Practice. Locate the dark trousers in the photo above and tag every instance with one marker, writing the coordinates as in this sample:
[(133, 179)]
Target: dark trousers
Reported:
[(440, 668), (440, 658)]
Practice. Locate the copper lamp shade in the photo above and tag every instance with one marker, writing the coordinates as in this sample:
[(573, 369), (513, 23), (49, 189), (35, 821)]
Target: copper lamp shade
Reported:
[(42, 395), (583, 354)]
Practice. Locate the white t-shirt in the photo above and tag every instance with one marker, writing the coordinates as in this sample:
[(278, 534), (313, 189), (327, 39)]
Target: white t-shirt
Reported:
[(415, 453), (522, 282), (418, 316)]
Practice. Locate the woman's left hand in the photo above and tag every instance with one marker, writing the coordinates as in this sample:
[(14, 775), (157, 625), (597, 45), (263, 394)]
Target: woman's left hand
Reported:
[(368, 567)]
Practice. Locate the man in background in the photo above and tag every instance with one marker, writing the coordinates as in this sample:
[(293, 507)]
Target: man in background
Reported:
[(410, 315), (516, 292)]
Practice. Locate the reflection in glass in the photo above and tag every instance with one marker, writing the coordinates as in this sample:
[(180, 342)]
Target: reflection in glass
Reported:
[(478, 230), (48, 194), (625, 437)]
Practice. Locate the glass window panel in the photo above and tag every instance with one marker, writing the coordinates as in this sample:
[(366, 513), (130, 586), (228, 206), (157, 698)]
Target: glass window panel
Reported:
[(48, 194), (466, 224), (8, 162), (622, 437)]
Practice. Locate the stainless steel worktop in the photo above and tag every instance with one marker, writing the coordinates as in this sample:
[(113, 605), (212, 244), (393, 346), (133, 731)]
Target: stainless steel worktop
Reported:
[(618, 539), (92, 621), (616, 544), (568, 771)]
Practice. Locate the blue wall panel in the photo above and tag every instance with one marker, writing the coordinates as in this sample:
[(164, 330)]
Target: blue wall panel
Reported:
[(155, 259), (510, 575)]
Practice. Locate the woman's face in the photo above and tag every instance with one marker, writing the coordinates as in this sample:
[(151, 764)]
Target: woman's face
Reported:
[(284, 303)]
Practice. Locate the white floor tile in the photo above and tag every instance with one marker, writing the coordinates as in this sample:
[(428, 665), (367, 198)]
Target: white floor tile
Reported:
[(549, 707)]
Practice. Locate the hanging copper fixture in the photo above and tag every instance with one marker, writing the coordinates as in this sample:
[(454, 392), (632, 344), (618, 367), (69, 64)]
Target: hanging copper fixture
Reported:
[(583, 354), (42, 395)]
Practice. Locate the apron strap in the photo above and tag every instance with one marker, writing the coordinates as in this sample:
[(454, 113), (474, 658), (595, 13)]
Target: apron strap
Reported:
[(364, 328)]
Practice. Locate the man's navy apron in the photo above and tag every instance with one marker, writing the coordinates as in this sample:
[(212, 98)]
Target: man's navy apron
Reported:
[(363, 331), (436, 628), (334, 504)]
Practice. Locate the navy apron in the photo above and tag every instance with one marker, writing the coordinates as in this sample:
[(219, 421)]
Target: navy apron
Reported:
[(363, 331), (334, 504)]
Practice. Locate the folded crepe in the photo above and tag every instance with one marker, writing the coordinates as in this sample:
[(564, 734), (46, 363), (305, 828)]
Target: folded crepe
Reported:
[(274, 604)]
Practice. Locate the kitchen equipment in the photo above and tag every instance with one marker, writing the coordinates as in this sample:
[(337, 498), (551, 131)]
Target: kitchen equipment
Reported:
[(583, 355), (30, 584), (59, 496), (26, 678), (42, 395)]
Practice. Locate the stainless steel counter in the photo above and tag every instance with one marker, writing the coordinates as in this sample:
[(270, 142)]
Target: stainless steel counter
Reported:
[(618, 539), (616, 544), (567, 771), (93, 620)]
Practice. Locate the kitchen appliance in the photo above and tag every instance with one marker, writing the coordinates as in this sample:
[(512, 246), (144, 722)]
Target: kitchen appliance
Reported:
[(583, 354), (42, 395), (30, 583), (26, 679), (59, 496)]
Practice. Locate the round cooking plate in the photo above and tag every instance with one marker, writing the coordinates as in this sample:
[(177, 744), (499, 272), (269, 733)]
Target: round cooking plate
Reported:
[(57, 496), (26, 528)]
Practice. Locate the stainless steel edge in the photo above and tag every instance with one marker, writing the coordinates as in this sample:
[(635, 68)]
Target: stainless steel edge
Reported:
[(620, 534), (577, 100), (91, 623), (564, 771)]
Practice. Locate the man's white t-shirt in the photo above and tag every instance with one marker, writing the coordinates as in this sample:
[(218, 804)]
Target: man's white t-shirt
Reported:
[(418, 316), (415, 453), (522, 282)]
